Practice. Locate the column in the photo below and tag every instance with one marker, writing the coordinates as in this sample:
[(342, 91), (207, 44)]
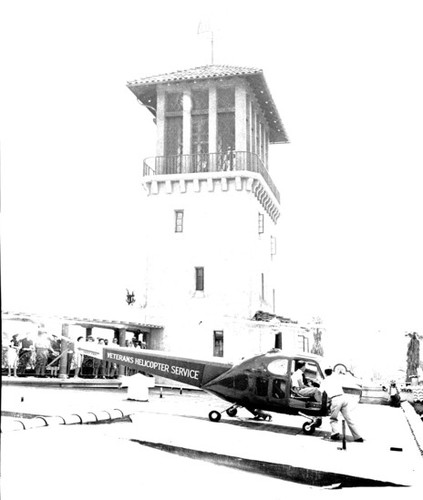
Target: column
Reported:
[(64, 345), (122, 338), (160, 119), (212, 127), (240, 118), (186, 128)]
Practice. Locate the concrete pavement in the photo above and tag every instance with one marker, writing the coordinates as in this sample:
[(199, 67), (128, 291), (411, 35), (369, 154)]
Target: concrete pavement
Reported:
[(178, 424)]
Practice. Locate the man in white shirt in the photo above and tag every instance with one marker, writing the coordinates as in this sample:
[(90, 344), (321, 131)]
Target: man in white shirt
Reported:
[(338, 404), (300, 388)]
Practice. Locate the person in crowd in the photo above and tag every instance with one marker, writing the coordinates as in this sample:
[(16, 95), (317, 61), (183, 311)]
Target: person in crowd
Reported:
[(54, 352), (88, 361), (4, 350), (104, 363), (129, 371), (69, 345), (12, 355), (25, 352), (42, 348), (78, 357), (339, 403), (113, 368), (299, 384), (98, 363)]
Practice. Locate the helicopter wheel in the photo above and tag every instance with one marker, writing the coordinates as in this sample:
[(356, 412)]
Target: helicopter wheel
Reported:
[(231, 412), (215, 416), (318, 422), (309, 428), (263, 416)]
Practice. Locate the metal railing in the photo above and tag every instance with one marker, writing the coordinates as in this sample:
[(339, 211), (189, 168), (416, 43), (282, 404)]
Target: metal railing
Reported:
[(209, 162)]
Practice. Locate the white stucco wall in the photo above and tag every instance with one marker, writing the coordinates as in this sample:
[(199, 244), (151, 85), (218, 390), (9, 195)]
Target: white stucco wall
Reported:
[(220, 233)]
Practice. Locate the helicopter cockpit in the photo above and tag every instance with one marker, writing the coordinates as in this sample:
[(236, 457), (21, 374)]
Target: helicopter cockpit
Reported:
[(306, 377)]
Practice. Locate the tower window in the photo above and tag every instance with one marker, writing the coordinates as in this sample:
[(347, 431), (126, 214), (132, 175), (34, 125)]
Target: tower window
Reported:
[(303, 343), (173, 143), (200, 142), (179, 221), (174, 101), (278, 340), (218, 343), (260, 223), (225, 98), (200, 100), (199, 278)]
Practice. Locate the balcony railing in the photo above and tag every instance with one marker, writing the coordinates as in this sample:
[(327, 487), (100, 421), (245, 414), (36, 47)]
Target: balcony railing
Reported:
[(209, 162)]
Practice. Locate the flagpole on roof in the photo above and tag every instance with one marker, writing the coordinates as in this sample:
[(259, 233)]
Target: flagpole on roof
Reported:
[(212, 48)]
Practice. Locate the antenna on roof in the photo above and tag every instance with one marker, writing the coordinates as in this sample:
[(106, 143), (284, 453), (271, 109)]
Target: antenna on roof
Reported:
[(205, 27)]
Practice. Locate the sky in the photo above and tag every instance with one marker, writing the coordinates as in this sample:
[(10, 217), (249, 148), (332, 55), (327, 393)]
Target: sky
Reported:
[(346, 78)]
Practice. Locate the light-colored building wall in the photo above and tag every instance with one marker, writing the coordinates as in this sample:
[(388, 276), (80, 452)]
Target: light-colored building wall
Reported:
[(220, 233)]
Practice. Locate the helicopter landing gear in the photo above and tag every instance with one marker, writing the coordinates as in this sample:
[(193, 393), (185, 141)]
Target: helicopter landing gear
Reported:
[(232, 411), (215, 416), (308, 428), (312, 424), (261, 415)]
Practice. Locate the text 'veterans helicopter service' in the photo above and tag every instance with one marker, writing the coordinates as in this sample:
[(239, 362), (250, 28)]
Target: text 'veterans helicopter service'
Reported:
[(260, 384)]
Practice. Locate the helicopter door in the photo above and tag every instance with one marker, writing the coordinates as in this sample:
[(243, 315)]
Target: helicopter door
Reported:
[(279, 380), (262, 385)]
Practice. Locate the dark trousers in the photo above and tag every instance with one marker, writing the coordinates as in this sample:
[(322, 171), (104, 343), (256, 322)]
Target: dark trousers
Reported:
[(41, 361), (24, 357)]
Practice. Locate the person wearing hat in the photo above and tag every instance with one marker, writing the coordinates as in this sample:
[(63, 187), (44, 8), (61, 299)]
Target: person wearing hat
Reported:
[(13, 355), (339, 403)]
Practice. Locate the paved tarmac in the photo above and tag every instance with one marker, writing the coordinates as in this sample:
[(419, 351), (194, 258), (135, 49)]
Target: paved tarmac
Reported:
[(167, 430)]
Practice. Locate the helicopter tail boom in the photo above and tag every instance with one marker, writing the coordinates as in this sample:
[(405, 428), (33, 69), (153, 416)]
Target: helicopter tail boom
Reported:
[(188, 371)]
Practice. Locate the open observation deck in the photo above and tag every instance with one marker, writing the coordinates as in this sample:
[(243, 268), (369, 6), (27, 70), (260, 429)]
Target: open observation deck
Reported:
[(209, 162)]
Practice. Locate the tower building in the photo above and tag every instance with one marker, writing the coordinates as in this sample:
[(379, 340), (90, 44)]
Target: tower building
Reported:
[(211, 210)]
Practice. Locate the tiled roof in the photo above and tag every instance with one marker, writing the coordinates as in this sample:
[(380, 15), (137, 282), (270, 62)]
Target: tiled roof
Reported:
[(145, 89), (201, 72), (265, 316)]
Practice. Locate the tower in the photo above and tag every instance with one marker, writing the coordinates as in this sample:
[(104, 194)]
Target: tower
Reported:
[(211, 209)]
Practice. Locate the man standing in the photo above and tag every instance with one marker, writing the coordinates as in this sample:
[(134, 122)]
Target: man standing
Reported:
[(338, 404)]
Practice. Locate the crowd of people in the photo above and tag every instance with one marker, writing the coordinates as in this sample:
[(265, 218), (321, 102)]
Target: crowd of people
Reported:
[(24, 355)]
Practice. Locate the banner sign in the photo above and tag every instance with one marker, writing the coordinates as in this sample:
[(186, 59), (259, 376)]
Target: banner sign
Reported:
[(183, 370)]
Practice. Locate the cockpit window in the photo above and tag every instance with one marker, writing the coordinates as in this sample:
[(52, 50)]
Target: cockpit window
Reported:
[(312, 371), (278, 367), (227, 382)]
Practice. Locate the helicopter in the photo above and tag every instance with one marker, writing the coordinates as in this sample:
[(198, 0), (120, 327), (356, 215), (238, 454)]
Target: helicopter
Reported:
[(260, 384)]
